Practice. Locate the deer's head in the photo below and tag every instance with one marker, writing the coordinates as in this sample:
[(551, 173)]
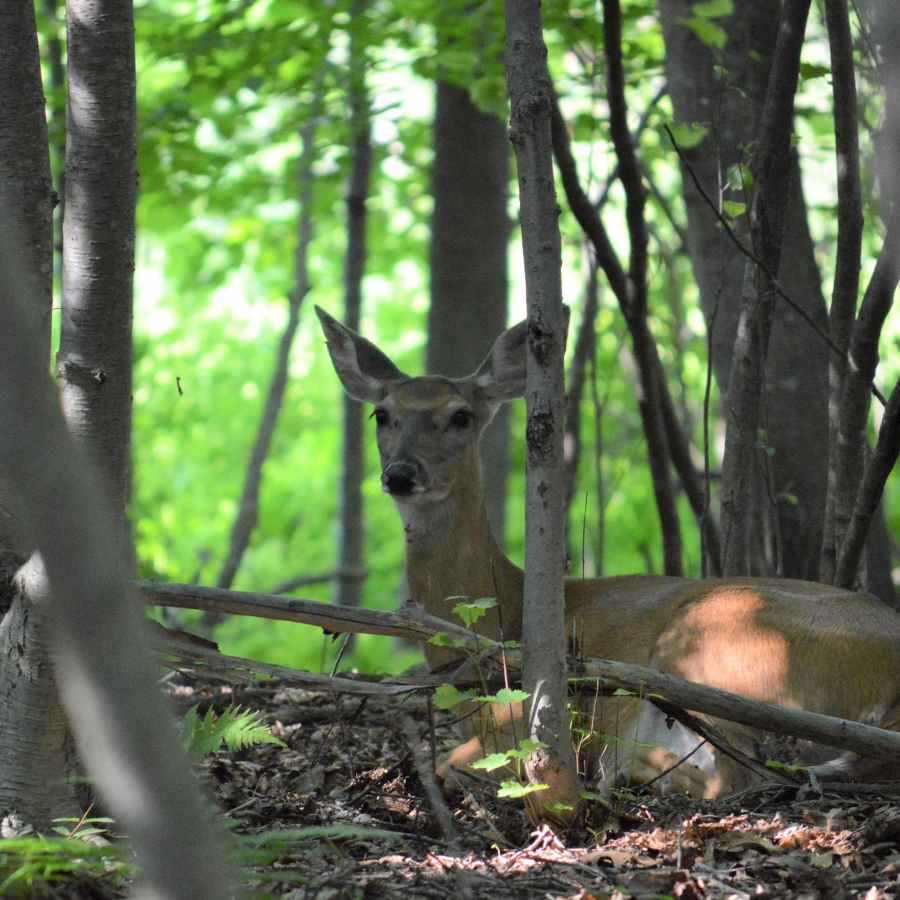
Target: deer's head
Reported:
[(427, 427)]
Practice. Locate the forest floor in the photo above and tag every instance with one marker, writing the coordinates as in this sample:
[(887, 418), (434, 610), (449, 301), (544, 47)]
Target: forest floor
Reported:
[(342, 813), (355, 821)]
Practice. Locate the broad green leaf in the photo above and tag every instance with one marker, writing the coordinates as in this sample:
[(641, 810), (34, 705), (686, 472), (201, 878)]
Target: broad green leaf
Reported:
[(517, 789), (732, 209), (474, 610), (688, 134), (442, 639), (509, 695), (489, 763), (810, 70), (739, 177), (446, 696), (526, 748)]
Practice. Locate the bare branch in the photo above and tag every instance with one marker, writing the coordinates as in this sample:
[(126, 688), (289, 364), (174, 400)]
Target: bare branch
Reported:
[(878, 469)]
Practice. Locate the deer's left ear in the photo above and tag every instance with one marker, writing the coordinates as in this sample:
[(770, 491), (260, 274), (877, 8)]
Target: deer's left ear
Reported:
[(501, 377)]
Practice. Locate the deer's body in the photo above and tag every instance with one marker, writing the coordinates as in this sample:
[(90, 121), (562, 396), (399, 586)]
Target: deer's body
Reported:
[(795, 643)]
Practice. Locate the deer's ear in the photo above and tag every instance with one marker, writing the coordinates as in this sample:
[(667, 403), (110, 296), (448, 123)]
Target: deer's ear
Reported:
[(363, 369), (501, 377)]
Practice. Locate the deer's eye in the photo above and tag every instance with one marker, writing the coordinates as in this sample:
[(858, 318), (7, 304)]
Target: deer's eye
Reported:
[(462, 418), (381, 416)]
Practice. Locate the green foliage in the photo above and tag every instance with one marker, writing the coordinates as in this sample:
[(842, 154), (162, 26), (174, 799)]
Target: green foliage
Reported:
[(234, 727), (35, 867), (83, 828)]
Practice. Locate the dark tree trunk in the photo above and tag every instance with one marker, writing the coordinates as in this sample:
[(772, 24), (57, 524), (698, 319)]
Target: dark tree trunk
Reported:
[(37, 765), (796, 392), (25, 173), (469, 239), (348, 586)]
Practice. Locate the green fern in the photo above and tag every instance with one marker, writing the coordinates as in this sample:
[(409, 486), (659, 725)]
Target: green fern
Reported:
[(235, 728)]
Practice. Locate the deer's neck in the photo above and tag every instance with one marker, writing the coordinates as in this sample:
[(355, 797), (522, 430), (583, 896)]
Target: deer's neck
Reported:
[(450, 552)]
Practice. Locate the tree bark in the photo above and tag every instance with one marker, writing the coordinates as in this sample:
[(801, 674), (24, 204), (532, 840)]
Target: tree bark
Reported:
[(470, 230), (348, 586), (853, 415), (726, 93), (745, 467), (37, 765), (845, 293), (75, 512), (25, 174), (543, 633)]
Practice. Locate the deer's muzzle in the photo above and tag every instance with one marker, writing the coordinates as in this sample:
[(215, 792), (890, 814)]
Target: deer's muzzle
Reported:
[(400, 479)]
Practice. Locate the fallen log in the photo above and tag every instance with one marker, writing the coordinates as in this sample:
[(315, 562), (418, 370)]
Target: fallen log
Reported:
[(411, 621)]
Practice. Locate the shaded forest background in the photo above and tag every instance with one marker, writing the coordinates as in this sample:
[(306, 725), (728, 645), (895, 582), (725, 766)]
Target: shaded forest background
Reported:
[(229, 96)]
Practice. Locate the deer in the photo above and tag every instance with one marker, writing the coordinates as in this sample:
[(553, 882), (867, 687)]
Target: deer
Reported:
[(799, 644)]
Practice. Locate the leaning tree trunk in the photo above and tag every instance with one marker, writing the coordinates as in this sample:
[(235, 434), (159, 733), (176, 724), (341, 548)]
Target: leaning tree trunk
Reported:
[(69, 487), (469, 238), (796, 412), (105, 673), (543, 632)]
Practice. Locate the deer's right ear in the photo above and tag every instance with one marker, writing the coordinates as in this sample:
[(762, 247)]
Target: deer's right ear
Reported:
[(362, 367), (502, 375)]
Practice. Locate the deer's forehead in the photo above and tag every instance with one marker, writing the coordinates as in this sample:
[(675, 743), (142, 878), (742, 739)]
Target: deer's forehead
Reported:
[(425, 394)]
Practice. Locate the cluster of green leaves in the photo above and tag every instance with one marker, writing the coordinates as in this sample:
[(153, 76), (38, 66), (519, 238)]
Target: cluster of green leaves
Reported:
[(34, 867)]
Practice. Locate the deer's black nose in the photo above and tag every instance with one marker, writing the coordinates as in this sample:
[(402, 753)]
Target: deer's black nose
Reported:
[(399, 479)]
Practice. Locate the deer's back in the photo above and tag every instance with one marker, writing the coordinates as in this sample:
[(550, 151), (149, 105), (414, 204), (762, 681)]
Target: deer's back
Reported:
[(795, 643)]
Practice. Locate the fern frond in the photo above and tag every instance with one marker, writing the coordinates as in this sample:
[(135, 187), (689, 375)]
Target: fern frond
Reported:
[(236, 728)]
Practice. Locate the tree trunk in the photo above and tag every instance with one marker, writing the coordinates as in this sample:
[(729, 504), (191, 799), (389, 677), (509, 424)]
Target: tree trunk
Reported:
[(25, 173), (746, 482), (469, 238), (543, 632), (37, 766), (796, 410), (348, 587)]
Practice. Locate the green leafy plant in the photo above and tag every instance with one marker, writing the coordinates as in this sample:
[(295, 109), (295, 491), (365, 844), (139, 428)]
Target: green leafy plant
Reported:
[(82, 828), (236, 728), (37, 866)]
